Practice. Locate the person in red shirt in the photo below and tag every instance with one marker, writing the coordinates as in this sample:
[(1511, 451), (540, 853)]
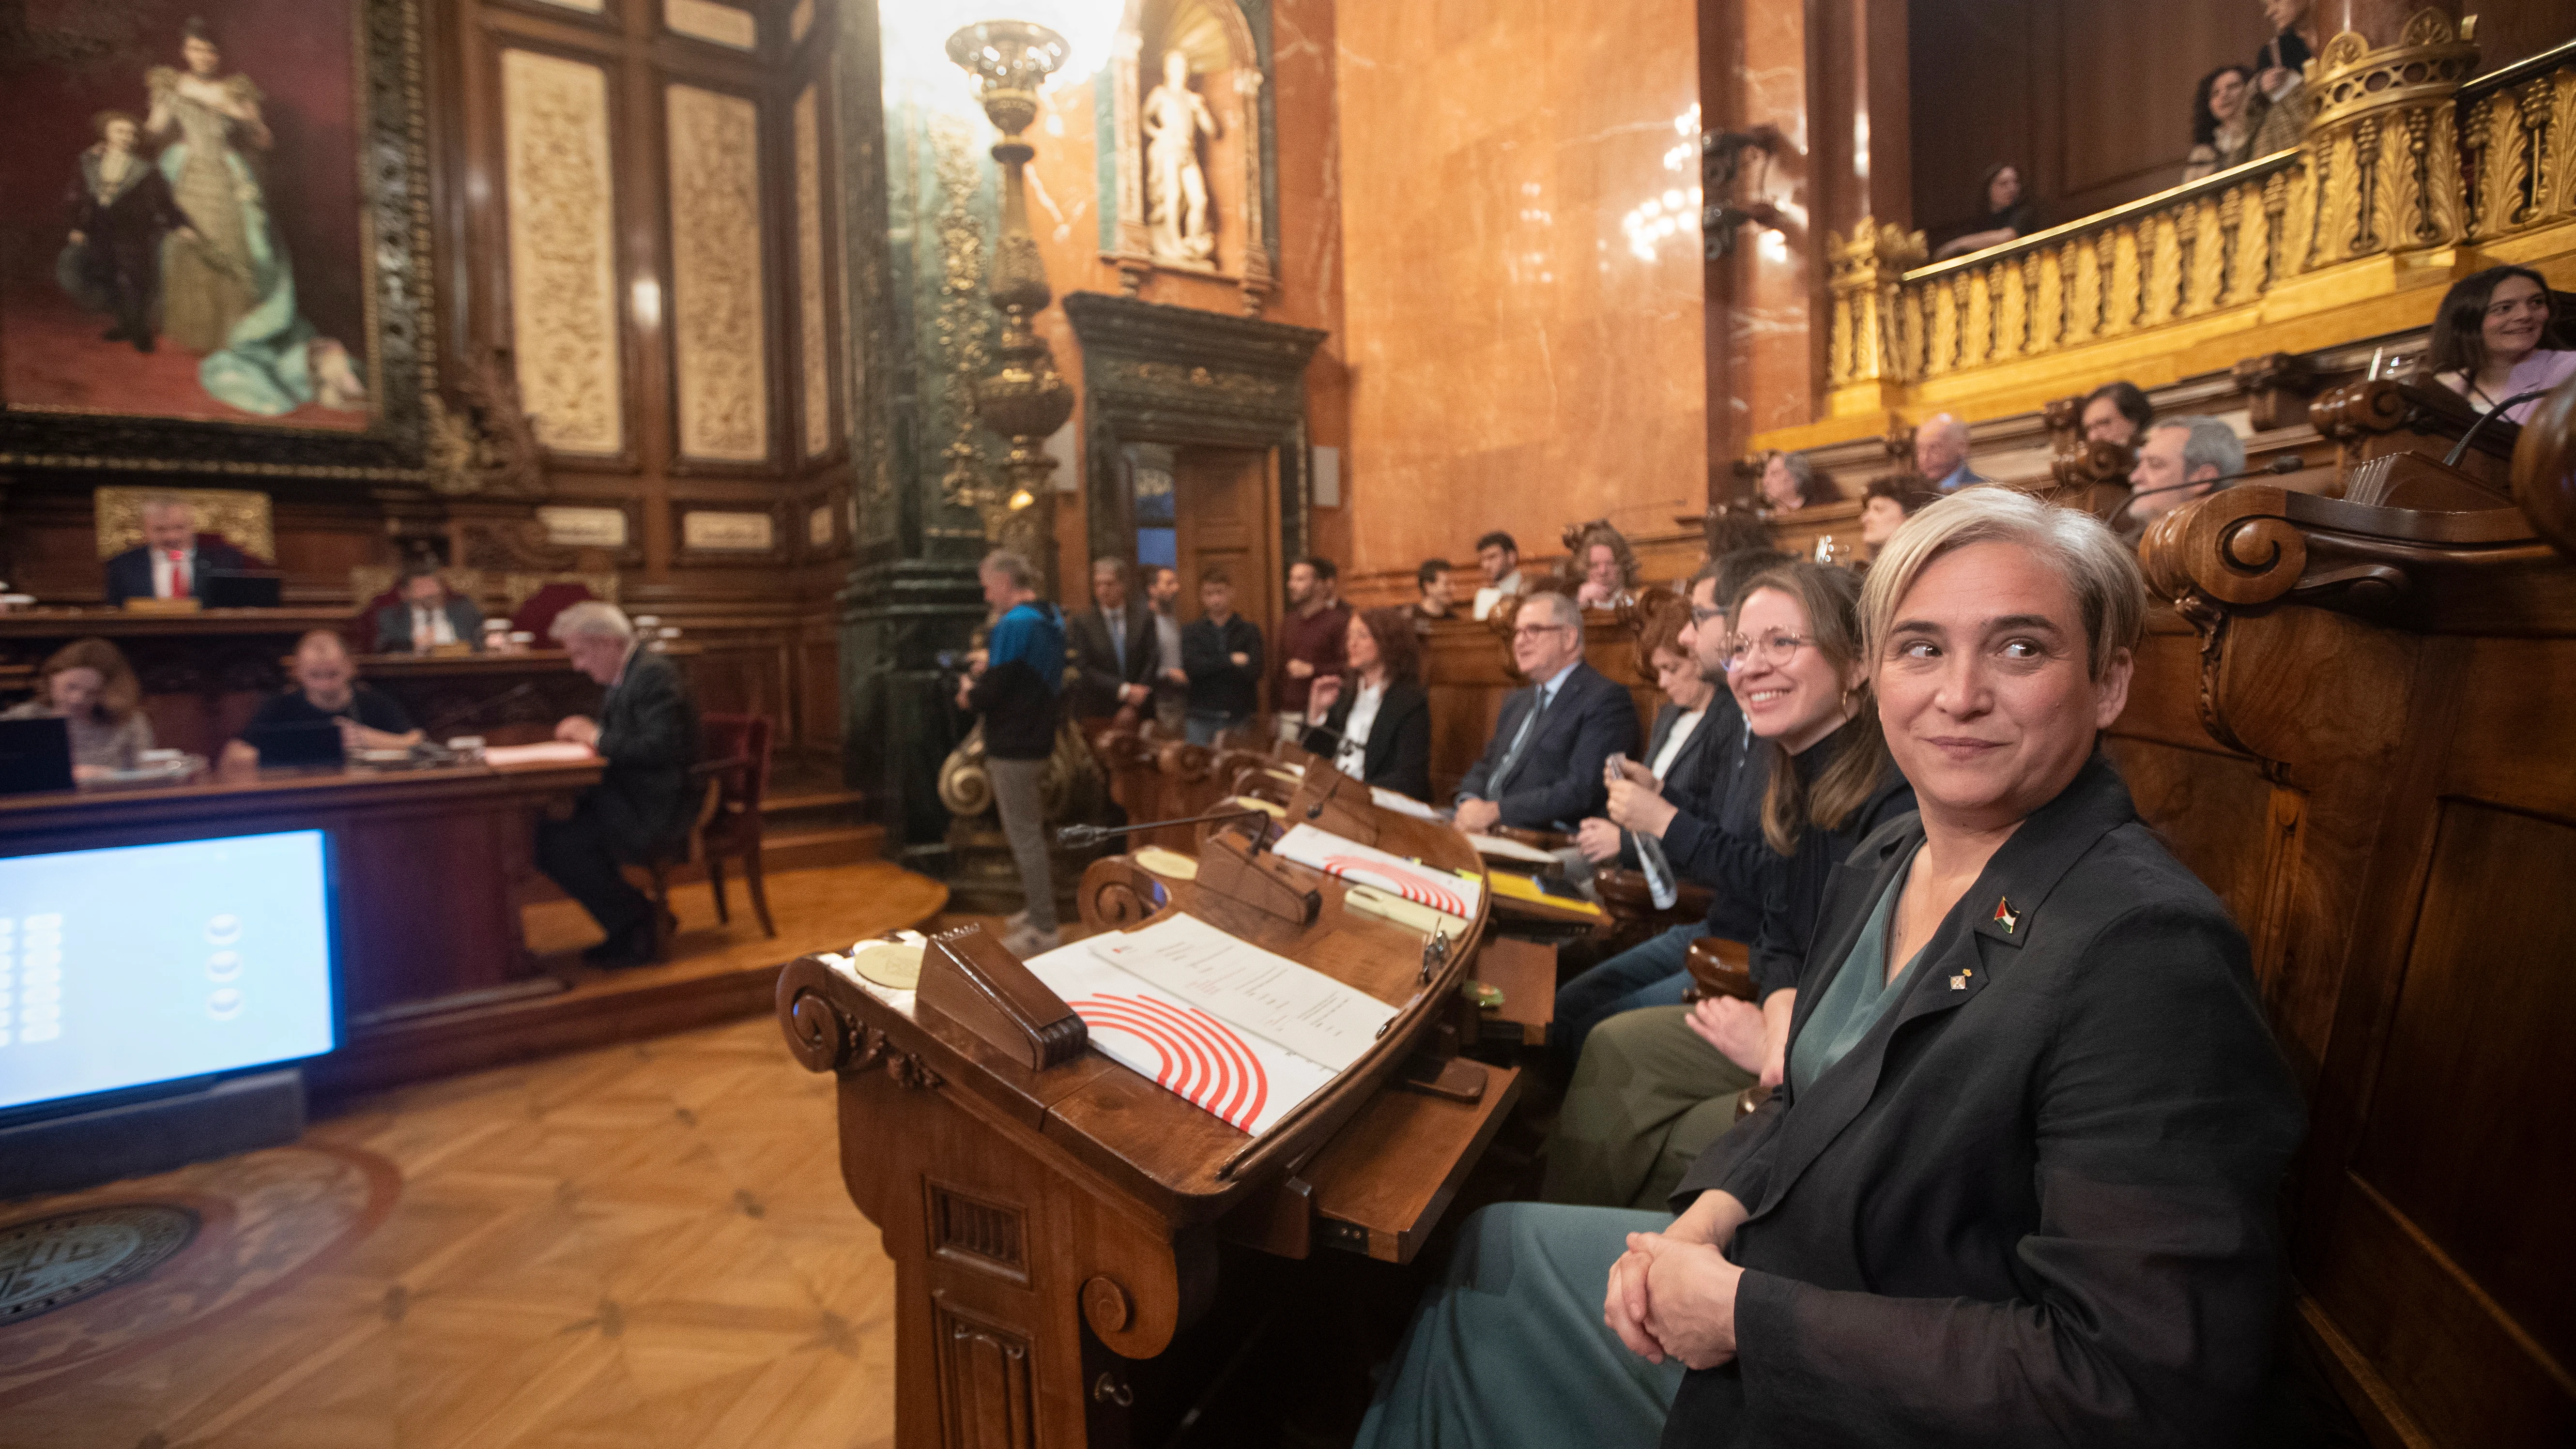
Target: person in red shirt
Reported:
[(1310, 637)]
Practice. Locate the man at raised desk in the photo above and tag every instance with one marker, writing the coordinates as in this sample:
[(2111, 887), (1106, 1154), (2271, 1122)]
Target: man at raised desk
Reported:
[(325, 691), (428, 617), (642, 807), (1542, 769), (173, 559)]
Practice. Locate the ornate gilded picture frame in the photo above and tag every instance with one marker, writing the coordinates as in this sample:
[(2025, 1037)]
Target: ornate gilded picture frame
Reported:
[(223, 264)]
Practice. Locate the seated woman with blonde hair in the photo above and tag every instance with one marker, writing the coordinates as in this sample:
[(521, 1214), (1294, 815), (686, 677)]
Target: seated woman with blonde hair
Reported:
[(2019, 1186), (89, 687)]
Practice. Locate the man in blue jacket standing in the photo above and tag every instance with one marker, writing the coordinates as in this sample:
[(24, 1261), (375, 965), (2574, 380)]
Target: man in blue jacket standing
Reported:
[(1015, 689)]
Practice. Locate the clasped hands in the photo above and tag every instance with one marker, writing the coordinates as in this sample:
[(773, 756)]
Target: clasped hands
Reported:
[(1672, 1294)]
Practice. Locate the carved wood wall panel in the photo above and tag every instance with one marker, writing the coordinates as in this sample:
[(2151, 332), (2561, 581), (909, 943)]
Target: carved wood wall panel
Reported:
[(720, 339), (560, 179)]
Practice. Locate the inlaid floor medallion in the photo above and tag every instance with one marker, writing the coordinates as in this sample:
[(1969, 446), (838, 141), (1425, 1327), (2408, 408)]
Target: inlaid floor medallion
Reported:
[(50, 1262)]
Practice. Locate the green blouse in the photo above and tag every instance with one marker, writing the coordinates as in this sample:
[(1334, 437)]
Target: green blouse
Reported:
[(1858, 996)]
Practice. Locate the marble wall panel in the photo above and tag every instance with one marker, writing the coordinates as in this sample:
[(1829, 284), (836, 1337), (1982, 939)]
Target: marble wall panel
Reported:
[(558, 176), (719, 335), (1525, 347), (812, 334)]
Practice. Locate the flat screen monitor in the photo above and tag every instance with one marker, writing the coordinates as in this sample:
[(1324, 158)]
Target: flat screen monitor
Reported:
[(148, 964)]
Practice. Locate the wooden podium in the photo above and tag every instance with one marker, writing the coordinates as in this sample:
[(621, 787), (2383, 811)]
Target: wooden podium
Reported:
[(1054, 1228)]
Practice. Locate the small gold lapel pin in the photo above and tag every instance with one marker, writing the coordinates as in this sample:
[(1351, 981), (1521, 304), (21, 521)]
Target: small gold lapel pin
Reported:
[(2005, 915)]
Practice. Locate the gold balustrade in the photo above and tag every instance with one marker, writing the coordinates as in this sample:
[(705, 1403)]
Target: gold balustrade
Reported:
[(2409, 173)]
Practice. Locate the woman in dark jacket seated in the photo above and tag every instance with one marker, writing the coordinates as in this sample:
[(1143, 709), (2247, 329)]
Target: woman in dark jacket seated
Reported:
[(1374, 721), (2018, 1188)]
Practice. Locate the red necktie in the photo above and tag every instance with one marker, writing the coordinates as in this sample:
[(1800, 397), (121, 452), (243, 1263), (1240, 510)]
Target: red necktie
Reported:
[(178, 574)]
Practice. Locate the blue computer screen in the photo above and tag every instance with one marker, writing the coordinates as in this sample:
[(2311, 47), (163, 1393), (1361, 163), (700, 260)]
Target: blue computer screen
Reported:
[(153, 963)]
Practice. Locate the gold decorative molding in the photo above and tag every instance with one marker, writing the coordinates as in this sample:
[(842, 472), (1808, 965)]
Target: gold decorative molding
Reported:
[(240, 516), (719, 336), (559, 181), (1865, 271), (816, 345), (2384, 143)]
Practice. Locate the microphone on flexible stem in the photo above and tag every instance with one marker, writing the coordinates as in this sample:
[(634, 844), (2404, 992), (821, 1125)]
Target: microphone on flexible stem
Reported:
[(453, 718), (2285, 463), (1077, 836), (2451, 459)]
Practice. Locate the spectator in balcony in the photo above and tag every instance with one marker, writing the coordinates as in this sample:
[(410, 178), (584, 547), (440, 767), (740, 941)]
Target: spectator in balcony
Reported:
[(2495, 337), (2116, 412), (1789, 483), (2280, 79), (2009, 215), (2224, 115), (1886, 504), (1941, 454), (1436, 580), (2180, 460)]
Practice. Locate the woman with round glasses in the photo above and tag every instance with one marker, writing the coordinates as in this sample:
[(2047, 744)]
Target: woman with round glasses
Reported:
[(1646, 1070), (2019, 1185)]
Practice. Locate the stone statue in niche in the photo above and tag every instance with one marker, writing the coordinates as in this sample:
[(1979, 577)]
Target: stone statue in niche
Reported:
[(1176, 189)]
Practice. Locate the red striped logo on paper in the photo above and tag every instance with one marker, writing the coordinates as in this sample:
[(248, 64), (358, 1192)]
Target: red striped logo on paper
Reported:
[(1422, 890), (1200, 1057)]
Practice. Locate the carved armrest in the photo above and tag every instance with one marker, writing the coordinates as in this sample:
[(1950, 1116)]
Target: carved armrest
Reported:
[(1626, 894), (1719, 967)]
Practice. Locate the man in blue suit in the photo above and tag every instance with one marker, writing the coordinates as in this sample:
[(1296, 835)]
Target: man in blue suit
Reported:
[(1941, 454), (1542, 769)]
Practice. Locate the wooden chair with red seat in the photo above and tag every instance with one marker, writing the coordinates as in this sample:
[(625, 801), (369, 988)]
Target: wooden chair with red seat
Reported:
[(734, 766)]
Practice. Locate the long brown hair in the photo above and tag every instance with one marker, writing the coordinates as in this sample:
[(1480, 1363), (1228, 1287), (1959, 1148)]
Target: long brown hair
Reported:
[(119, 692), (2459, 341), (1831, 597), (1392, 629)]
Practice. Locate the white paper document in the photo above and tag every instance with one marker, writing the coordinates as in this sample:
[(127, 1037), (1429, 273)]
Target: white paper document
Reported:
[(549, 752), (1386, 799), (1429, 885), (1244, 1079), (1251, 989), (1501, 848)]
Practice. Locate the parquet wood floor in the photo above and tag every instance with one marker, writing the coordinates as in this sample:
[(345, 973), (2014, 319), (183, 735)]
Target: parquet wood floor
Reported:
[(640, 1247)]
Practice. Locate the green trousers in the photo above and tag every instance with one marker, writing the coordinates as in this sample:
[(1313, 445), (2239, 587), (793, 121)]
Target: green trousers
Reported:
[(1648, 1096)]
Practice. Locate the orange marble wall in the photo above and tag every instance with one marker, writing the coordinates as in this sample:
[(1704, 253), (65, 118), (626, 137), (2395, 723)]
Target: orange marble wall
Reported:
[(1516, 359)]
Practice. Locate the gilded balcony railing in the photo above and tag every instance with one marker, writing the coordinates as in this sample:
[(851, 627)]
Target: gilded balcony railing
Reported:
[(2402, 155)]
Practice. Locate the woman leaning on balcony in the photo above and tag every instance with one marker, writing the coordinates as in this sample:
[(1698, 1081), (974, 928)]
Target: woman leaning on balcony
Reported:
[(2496, 336), (2224, 112)]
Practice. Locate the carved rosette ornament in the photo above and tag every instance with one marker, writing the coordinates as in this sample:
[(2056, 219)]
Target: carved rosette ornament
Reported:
[(2384, 142), (1024, 399), (1863, 347)]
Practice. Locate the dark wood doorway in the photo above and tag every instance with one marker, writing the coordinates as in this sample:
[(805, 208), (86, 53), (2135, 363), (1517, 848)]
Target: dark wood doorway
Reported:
[(1225, 506)]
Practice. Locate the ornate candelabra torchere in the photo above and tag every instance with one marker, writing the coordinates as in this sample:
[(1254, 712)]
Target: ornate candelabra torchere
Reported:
[(1024, 400)]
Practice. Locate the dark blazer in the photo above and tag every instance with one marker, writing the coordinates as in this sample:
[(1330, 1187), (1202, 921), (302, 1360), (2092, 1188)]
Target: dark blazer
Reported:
[(1095, 657), (1558, 781), (129, 574), (1690, 768), (2035, 1204), (648, 733), (1398, 747), (393, 625)]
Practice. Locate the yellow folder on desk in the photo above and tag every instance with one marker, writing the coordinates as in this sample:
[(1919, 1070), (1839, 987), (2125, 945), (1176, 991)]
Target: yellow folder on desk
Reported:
[(1524, 888)]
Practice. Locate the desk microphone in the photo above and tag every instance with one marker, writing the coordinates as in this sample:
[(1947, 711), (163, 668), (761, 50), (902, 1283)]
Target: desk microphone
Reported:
[(2451, 459), (2285, 463), (453, 718), (1076, 837)]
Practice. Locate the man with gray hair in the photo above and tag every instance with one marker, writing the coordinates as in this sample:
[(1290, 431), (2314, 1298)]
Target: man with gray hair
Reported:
[(173, 559), (1015, 688), (2180, 459), (642, 807), (1542, 769), (1941, 454)]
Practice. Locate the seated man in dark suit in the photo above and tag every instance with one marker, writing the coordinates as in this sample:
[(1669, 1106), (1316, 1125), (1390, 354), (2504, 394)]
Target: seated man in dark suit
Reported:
[(1542, 769), (173, 559), (1114, 646), (428, 616), (643, 806)]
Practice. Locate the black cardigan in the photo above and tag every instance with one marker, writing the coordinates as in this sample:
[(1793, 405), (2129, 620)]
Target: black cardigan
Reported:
[(1398, 754), (2035, 1204)]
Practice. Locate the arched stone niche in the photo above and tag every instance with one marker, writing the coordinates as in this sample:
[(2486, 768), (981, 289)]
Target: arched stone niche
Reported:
[(1227, 46)]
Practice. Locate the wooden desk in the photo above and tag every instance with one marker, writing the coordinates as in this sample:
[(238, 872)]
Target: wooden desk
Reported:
[(425, 866), (1054, 1231)]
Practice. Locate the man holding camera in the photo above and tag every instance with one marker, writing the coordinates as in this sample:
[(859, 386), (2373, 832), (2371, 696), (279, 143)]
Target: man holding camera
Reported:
[(1015, 689)]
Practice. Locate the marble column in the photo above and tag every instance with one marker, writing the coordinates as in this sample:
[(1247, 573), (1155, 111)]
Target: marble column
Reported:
[(917, 203)]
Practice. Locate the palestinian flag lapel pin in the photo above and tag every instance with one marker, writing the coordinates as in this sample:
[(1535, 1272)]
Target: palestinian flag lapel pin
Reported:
[(2005, 916)]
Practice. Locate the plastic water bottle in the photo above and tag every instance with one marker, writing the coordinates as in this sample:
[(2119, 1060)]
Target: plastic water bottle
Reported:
[(1650, 851)]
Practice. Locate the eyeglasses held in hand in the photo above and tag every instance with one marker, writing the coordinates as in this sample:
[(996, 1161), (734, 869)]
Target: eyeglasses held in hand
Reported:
[(1774, 649)]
